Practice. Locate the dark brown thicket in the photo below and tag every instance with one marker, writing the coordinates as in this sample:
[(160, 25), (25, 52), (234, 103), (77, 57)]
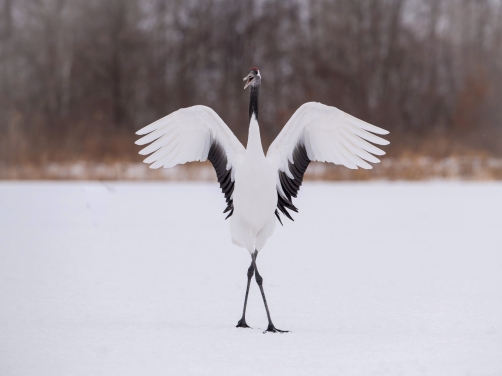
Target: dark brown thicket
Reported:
[(78, 77)]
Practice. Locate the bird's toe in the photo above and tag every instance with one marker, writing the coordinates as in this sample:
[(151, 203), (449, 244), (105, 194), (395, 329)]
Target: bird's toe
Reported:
[(272, 329), (242, 324)]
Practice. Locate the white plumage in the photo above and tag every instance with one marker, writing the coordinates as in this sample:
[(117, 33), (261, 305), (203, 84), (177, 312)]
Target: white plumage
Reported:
[(185, 136), (258, 187), (328, 134)]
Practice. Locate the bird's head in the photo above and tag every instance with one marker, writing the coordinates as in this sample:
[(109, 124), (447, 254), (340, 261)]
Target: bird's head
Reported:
[(253, 78)]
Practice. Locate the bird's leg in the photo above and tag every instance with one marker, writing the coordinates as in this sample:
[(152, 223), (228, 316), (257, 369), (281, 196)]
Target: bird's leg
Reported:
[(259, 281), (242, 322)]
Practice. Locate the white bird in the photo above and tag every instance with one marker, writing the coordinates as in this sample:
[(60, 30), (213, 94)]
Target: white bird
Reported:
[(258, 187)]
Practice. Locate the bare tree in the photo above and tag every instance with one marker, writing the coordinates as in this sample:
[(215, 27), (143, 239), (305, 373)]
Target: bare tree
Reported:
[(77, 77)]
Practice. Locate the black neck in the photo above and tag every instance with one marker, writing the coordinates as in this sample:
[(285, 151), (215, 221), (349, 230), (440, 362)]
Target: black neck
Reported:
[(254, 91)]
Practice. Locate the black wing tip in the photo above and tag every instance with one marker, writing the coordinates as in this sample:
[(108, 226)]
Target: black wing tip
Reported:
[(229, 214), (278, 217), (284, 211)]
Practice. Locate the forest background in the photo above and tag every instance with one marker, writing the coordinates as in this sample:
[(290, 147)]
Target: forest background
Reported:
[(79, 77)]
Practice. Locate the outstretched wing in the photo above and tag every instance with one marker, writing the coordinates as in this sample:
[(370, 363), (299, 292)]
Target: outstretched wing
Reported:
[(317, 132), (194, 134)]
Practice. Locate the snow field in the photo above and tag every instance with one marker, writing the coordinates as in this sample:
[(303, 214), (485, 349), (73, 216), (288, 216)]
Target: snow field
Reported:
[(135, 278)]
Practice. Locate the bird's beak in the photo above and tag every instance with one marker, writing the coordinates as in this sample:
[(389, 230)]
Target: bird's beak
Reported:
[(249, 78)]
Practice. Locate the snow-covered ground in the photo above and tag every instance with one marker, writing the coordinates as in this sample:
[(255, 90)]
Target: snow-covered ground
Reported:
[(142, 279)]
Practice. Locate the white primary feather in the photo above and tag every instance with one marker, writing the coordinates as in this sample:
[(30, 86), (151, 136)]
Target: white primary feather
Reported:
[(186, 135), (329, 135)]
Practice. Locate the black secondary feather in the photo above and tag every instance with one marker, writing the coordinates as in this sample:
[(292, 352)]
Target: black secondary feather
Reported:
[(218, 158), (289, 186)]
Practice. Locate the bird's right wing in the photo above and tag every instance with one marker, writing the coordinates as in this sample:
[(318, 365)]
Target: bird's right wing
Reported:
[(194, 134), (317, 132)]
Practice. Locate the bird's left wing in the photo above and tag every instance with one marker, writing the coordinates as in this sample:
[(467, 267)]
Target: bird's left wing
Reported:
[(194, 134), (317, 132)]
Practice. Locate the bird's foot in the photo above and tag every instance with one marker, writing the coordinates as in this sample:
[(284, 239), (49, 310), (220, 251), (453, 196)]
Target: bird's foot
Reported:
[(272, 329), (242, 324)]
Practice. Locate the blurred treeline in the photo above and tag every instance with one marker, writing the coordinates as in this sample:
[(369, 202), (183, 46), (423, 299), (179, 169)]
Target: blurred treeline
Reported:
[(78, 77)]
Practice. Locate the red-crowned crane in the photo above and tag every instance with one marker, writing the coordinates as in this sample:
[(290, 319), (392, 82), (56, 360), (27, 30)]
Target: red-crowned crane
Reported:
[(257, 187)]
